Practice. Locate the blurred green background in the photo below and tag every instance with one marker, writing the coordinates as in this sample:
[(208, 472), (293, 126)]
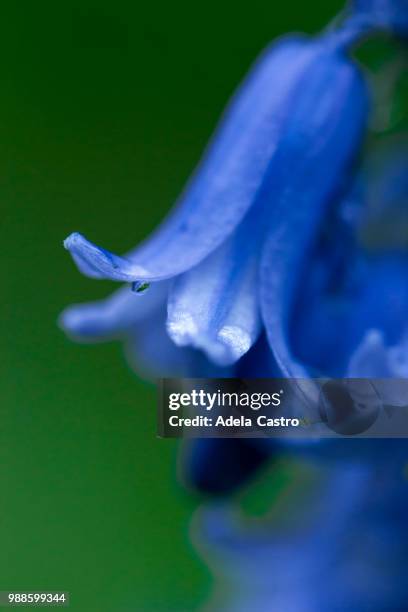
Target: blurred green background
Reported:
[(104, 110)]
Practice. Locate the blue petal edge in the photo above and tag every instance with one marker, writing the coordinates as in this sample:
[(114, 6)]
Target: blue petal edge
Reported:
[(226, 183)]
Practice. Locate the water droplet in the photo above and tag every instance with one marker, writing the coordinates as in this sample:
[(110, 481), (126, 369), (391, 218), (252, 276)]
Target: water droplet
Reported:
[(140, 286)]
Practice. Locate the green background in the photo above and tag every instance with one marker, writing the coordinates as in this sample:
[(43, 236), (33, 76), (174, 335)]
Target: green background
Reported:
[(104, 110)]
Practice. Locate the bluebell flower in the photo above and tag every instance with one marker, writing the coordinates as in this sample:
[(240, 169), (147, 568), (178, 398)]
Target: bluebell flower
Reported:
[(276, 262), (227, 267), (291, 131), (227, 264)]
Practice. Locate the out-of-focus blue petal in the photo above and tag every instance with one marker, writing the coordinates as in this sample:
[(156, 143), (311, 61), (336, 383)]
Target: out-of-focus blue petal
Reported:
[(322, 305), (342, 546), (226, 183), (264, 565), (330, 323), (374, 360), (324, 136), (389, 14), (214, 306), (113, 316), (356, 276), (381, 300), (370, 359)]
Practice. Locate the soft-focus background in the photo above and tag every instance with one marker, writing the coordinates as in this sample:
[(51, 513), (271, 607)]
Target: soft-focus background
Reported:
[(104, 110)]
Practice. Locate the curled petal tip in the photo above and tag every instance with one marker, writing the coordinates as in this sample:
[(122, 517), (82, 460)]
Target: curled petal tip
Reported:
[(95, 261), (71, 240)]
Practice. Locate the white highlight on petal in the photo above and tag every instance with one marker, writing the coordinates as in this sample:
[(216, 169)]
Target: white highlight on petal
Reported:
[(236, 338), (229, 345), (182, 329), (214, 306)]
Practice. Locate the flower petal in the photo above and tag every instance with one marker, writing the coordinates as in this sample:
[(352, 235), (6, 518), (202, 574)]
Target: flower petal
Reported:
[(346, 291), (382, 299), (226, 183), (96, 262), (324, 301), (373, 359), (214, 307), (370, 359), (329, 322), (304, 532), (324, 135), (112, 316)]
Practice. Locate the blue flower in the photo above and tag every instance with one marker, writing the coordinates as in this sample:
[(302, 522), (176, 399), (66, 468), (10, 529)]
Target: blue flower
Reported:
[(258, 270), (281, 260), (244, 222)]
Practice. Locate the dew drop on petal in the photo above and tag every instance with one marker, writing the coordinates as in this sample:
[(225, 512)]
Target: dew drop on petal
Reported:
[(140, 286)]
